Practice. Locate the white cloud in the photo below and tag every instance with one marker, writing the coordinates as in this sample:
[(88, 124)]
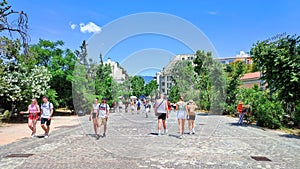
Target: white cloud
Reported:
[(90, 28), (212, 12), (73, 26)]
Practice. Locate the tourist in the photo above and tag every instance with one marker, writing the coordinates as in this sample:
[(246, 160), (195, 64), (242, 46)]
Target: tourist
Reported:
[(33, 111), (191, 107), (147, 108), (120, 105), (103, 117), (161, 110), (240, 108), (181, 116), (132, 106), (94, 114), (138, 104), (46, 114), (127, 103)]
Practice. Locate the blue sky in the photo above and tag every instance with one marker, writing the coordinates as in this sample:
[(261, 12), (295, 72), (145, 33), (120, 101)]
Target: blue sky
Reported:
[(230, 25)]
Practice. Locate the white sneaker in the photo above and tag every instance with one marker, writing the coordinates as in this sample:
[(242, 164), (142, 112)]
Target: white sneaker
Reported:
[(166, 132), (191, 133), (181, 137), (45, 135), (32, 135)]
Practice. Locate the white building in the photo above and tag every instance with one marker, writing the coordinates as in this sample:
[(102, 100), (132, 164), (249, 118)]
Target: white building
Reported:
[(119, 74), (164, 77)]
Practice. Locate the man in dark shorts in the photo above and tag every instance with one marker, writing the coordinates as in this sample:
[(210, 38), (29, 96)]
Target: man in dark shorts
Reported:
[(46, 114), (161, 109)]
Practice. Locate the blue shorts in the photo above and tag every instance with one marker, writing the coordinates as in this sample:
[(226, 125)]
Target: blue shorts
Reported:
[(45, 120)]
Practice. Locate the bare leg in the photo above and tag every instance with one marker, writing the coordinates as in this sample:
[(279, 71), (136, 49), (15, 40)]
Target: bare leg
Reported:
[(95, 126), (30, 124), (182, 126), (34, 126), (178, 125), (164, 124), (44, 128), (105, 128), (190, 125), (48, 129)]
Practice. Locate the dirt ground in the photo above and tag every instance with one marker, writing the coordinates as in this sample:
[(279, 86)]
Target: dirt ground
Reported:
[(13, 132)]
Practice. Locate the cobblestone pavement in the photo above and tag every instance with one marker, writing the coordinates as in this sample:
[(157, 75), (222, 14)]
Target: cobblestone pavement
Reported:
[(132, 142)]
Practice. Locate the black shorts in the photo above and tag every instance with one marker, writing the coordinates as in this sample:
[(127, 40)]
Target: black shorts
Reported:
[(94, 115), (162, 116), (46, 120), (192, 117), (139, 108)]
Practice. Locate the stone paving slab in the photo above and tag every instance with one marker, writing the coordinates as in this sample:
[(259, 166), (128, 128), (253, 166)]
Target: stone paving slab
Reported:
[(132, 142)]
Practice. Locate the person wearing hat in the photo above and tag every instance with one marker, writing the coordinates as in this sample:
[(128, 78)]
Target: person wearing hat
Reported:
[(191, 107), (102, 117)]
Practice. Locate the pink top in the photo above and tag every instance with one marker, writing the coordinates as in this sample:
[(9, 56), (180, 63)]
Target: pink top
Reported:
[(33, 108)]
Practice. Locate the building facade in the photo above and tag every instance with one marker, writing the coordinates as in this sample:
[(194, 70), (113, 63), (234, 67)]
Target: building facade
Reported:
[(164, 77), (118, 73)]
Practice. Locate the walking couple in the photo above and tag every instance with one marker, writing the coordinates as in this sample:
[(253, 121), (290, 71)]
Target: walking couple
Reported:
[(99, 114), (46, 111)]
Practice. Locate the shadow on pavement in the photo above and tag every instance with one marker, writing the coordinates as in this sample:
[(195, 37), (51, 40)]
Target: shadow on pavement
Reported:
[(91, 135), (289, 136), (242, 125), (154, 134)]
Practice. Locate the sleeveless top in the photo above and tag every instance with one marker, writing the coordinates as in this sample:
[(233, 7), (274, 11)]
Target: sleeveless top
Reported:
[(161, 106), (33, 108), (181, 106), (96, 107)]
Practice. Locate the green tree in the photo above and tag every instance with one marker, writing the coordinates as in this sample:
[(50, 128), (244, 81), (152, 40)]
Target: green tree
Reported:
[(280, 63), (137, 86), (183, 76), (60, 62), (174, 94), (234, 72), (151, 88), (210, 79)]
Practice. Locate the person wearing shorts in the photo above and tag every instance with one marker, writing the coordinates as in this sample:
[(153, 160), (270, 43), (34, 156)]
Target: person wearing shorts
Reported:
[(94, 114), (161, 109), (120, 105), (147, 108), (102, 117), (181, 116), (191, 107), (46, 114), (33, 110)]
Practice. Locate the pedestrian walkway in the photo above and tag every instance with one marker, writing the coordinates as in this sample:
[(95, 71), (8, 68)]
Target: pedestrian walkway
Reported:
[(132, 142)]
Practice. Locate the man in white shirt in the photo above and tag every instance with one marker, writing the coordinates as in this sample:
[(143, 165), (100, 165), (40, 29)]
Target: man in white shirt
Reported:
[(161, 110), (46, 114), (102, 117)]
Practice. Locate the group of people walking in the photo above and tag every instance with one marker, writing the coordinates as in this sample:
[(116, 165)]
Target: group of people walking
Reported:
[(46, 112), (185, 111), (99, 115)]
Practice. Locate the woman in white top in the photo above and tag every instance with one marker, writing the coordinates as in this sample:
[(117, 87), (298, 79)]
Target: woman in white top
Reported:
[(94, 114), (181, 115)]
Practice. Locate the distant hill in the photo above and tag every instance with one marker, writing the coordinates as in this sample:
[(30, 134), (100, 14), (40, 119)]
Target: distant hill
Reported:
[(147, 78)]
